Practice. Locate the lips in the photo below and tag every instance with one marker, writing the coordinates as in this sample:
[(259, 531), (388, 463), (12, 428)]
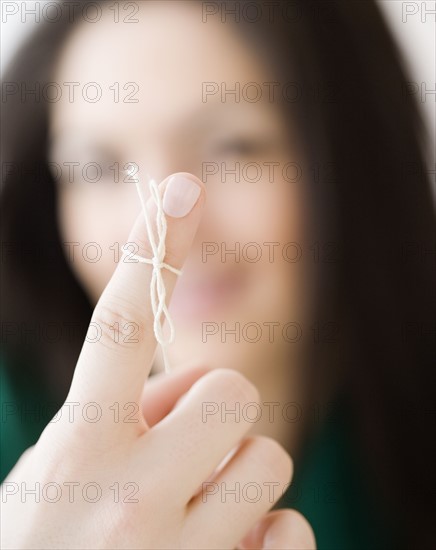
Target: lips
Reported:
[(207, 295)]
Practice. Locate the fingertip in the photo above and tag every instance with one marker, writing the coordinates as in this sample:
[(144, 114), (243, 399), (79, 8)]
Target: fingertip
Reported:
[(290, 529), (278, 530), (182, 192)]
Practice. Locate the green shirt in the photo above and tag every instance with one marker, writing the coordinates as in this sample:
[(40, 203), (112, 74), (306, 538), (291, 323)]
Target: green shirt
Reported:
[(25, 411), (330, 488)]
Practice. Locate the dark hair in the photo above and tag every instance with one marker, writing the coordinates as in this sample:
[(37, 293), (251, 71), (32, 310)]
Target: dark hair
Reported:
[(372, 201)]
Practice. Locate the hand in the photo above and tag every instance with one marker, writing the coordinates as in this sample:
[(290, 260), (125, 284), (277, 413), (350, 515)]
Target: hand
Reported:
[(127, 463)]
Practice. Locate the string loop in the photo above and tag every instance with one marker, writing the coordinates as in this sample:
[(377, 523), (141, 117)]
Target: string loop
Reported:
[(157, 285)]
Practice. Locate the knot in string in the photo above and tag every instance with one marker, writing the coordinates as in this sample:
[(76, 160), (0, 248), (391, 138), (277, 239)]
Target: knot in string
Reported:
[(157, 285)]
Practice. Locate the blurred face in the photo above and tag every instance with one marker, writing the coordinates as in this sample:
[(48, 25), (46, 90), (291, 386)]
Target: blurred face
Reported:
[(241, 285)]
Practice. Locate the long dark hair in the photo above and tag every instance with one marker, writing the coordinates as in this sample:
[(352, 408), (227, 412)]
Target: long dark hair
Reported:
[(371, 197)]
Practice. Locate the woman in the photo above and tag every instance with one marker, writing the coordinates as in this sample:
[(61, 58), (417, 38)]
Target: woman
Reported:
[(306, 270)]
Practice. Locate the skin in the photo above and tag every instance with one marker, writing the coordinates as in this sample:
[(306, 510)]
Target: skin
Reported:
[(170, 451), (167, 132)]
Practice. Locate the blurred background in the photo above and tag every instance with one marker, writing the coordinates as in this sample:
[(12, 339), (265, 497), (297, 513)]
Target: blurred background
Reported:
[(412, 23)]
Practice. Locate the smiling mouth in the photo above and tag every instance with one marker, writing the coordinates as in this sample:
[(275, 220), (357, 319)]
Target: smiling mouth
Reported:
[(207, 294)]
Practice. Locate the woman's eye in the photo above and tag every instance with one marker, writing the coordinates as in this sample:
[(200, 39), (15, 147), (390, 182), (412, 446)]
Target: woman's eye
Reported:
[(240, 147), (87, 172)]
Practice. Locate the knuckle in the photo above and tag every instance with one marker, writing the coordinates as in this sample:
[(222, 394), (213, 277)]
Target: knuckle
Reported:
[(117, 327), (141, 244), (231, 385), (271, 457)]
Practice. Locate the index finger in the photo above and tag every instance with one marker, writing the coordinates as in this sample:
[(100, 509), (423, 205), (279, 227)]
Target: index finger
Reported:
[(116, 369)]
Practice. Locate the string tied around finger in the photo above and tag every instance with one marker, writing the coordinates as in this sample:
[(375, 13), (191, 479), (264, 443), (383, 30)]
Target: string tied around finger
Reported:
[(157, 285)]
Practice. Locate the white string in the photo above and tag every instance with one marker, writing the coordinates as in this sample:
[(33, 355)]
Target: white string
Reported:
[(157, 286)]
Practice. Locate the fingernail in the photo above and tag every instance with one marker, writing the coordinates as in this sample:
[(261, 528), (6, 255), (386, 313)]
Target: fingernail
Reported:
[(181, 194)]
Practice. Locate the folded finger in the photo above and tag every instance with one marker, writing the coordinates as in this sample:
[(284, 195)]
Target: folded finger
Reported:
[(242, 492)]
